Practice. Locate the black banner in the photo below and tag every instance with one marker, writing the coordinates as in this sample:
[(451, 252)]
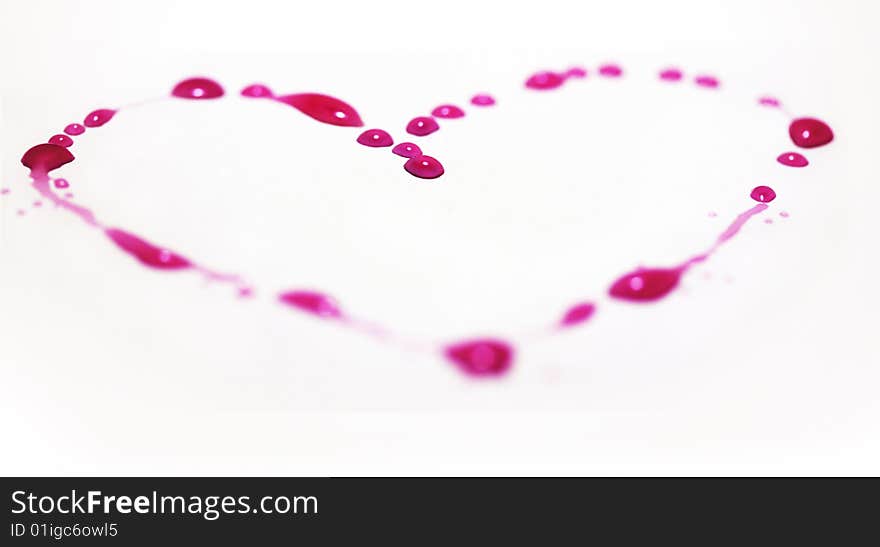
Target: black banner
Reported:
[(410, 511)]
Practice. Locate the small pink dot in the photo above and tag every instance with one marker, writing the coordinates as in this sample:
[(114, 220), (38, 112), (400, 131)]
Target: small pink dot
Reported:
[(74, 129), (784, 214), (20, 212), (61, 183), (671, 75), (482, 99), (712, 214), (707, 81), (576, 72), (768, 221), (769, 101), (4, 191), (610, 70)]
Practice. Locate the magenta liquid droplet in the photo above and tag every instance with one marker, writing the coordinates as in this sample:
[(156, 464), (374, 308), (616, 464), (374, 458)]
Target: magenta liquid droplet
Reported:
[(421, 126), (257, 91), (793, 159), (810, 132), (576, 72), (61, 183), (407, 150), (481, 358), (147, 253), (375, 138), (764, 194), (577, 314), (74, 129), (324, 108), (545, 80), (198, 88), (482, 99), (769, 101), (61, 140), (99, 117), (671, 75), (43, 158), (610, 70), (424, 167), (448, 111), (646, 284), (314, 303), (707, 81)]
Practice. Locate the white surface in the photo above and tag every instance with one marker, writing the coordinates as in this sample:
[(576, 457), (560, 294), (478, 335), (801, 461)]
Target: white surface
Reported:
[(764, 363)]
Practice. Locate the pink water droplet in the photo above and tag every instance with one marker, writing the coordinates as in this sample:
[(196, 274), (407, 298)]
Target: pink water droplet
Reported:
[(375, 138), (448, 111), (577, 72), (61, 183), (407, 150), (545, 80), (145, 252), (764, 194), (611, 70), (577, 314), (707, 81), (197, 88), (793, 159), (99, 117), (424, 167), (810, 132), (772, 102), (315, 303), (257, 91), (74, 129), (324, 108), (484, 358), (768, 221), (43, 158), (671, 75), (482, 99), (784, 214), (421, 126), (646, 284), (61, 140)]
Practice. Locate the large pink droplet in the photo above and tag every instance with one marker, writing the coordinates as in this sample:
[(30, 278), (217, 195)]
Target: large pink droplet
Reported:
[(424, 167), (793, 159), (578, 313), (43, 158), (482, 99), (407, 150), (311, 302), (764, 194), (198, 88), (375, 138), (646, 284), (257, 91), (810, 132), (74, 129), (99, 117), (545, 80), (483, 358), (421, 126), (448, 111), (147, 253), (324, 108), (61, 140)]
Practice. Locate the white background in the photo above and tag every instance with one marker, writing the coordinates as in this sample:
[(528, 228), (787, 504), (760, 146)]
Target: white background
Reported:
[(764, 363)]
